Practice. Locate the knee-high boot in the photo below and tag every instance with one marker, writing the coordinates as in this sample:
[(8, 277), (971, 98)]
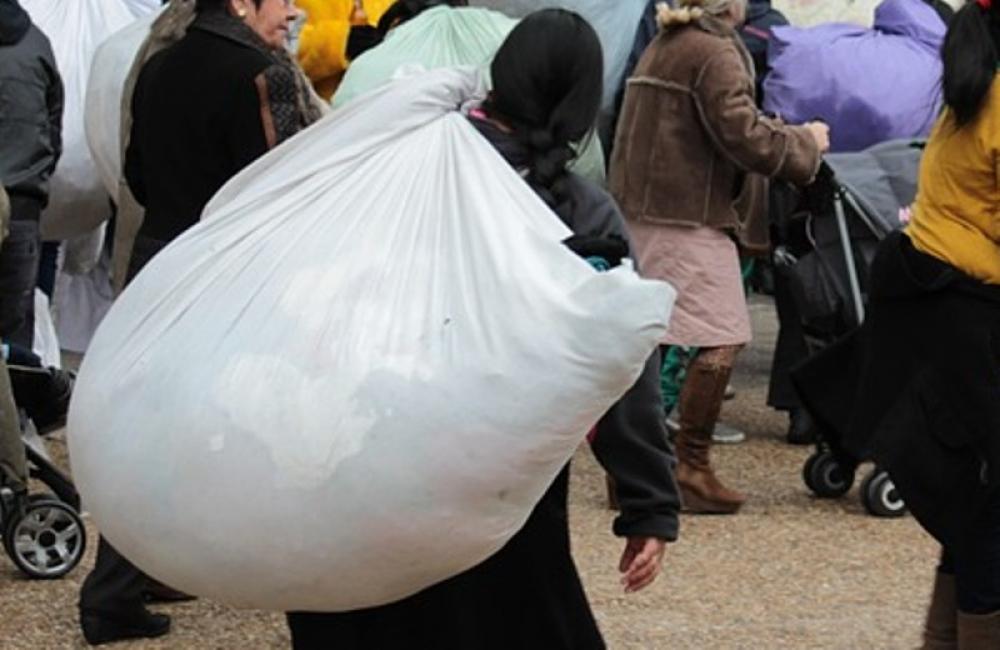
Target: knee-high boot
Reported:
[(978, 631), (700, 404)]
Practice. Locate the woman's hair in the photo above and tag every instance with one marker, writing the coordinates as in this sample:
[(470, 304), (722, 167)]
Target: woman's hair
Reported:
[(547, 85), (202, 5), (969, 55), (691, 10), (404, 10)]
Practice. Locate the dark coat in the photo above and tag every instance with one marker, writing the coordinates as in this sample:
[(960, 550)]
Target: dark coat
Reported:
[(203, 109), (31, 107), (918, 387)]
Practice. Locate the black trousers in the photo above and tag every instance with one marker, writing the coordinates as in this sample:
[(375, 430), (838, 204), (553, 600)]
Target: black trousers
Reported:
[(115, 586), (790, 349)]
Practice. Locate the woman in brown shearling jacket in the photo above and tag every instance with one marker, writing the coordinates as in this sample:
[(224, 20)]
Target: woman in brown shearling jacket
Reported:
[(689, 170)]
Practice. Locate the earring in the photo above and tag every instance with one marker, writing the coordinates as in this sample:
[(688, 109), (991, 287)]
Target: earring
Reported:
[(242, 13)]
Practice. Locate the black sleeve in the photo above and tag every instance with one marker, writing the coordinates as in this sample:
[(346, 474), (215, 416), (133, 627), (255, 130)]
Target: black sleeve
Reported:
[(631, 441), (632, 445)]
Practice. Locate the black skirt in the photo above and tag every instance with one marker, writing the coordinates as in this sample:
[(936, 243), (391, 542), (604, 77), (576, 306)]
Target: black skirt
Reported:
[(528, 595)]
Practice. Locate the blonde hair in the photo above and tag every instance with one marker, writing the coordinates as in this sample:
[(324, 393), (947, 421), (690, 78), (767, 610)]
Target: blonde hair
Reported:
[(689, 11)]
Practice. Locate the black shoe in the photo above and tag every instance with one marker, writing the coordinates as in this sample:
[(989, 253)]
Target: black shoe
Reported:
[(800, 428), (157, 592), (99, 629)]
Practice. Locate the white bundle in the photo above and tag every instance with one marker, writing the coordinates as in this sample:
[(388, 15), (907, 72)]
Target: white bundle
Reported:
[(358, 374), (77, 203), (111, 65)]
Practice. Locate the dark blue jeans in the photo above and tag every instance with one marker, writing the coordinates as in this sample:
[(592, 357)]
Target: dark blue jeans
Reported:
[(976, 563)]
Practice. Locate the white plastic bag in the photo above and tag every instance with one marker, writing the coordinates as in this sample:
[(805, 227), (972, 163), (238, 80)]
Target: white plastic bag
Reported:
[(440, 38), (357, 375), (103, 111), (45, 342), (77, 203), (616, 23)]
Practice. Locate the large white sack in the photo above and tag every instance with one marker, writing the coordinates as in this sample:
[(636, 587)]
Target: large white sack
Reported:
[(77, 203), (357, 375), (616, 23), (446, 37), (103, 108)]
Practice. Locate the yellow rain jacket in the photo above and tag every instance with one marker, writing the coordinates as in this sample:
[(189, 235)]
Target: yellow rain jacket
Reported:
[(323, 41)]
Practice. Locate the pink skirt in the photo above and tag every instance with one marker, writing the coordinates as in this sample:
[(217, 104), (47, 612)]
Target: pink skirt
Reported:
[(703, 264)]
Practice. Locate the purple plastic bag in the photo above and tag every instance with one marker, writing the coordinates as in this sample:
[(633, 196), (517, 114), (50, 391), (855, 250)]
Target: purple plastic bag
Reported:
[(869, 85)]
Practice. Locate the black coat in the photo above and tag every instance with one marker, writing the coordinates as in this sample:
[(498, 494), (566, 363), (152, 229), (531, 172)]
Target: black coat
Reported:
[(918, 387), (203, 109)]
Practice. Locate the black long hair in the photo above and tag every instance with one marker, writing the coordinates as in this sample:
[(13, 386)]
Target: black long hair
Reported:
[(403, 10), (547, 84), (970, 54)]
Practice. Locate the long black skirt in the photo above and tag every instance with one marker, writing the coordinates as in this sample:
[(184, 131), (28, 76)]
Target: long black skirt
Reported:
[(528, 595)]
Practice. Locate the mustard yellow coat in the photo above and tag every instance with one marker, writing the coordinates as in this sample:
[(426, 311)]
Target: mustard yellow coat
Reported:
[(323, 41)]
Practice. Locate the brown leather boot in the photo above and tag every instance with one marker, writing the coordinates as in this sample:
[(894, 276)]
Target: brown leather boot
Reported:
[(941, 626), (612, 493), (700, 402), (978, 631)]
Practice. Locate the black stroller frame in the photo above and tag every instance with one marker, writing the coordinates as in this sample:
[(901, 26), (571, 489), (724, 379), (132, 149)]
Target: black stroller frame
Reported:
[(830, 472)]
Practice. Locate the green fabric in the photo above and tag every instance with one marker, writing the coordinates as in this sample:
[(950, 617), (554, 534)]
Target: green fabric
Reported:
[(672, 372)]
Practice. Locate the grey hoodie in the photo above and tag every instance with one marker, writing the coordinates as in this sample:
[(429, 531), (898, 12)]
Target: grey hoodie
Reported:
[(31, 106)]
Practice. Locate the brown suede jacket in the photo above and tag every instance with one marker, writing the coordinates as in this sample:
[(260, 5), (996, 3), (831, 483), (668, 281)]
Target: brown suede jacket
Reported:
[(692, 148)]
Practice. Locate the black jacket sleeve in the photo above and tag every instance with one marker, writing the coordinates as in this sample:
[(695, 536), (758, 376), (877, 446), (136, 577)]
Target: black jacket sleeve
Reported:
[(632, 445), (631, 441)]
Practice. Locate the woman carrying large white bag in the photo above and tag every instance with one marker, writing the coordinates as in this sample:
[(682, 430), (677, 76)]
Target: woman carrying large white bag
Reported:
[(528, 595), (358, 374)]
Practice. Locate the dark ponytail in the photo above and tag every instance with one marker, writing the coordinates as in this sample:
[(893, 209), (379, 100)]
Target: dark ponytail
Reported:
[(547, 84), (970, 59)]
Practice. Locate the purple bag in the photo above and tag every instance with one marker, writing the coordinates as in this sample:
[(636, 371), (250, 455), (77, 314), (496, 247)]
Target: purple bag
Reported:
[(869, 85)]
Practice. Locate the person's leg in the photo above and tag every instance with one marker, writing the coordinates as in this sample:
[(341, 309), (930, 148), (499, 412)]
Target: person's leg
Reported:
[(19, 256), (48, 267), (977, 581), (700, 403), (789, 351), (941, 624), (111, 601)]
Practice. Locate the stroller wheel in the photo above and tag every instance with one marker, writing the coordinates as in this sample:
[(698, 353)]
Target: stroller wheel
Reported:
[(825, 477), (48, 541), (879, 495)]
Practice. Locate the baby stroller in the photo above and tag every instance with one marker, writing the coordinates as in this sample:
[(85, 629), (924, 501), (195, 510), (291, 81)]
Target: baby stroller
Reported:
[(830, 241), (43, 534)]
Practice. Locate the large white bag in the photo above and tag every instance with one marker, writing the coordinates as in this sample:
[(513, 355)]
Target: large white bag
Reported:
[(103, 107), (616, 23), (357, 375), (77, 203)]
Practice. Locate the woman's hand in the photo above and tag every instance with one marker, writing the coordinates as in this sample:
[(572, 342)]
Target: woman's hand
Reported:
[(820, 132), (641, 562)]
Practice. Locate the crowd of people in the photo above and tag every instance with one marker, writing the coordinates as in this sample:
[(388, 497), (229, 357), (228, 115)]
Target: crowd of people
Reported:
[(691, 161)]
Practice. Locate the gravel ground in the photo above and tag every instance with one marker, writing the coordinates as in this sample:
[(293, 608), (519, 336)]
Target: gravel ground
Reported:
[(789, 571)]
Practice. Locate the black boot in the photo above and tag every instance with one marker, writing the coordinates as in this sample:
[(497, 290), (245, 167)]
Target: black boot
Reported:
[(800, 428), (99, 628)]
